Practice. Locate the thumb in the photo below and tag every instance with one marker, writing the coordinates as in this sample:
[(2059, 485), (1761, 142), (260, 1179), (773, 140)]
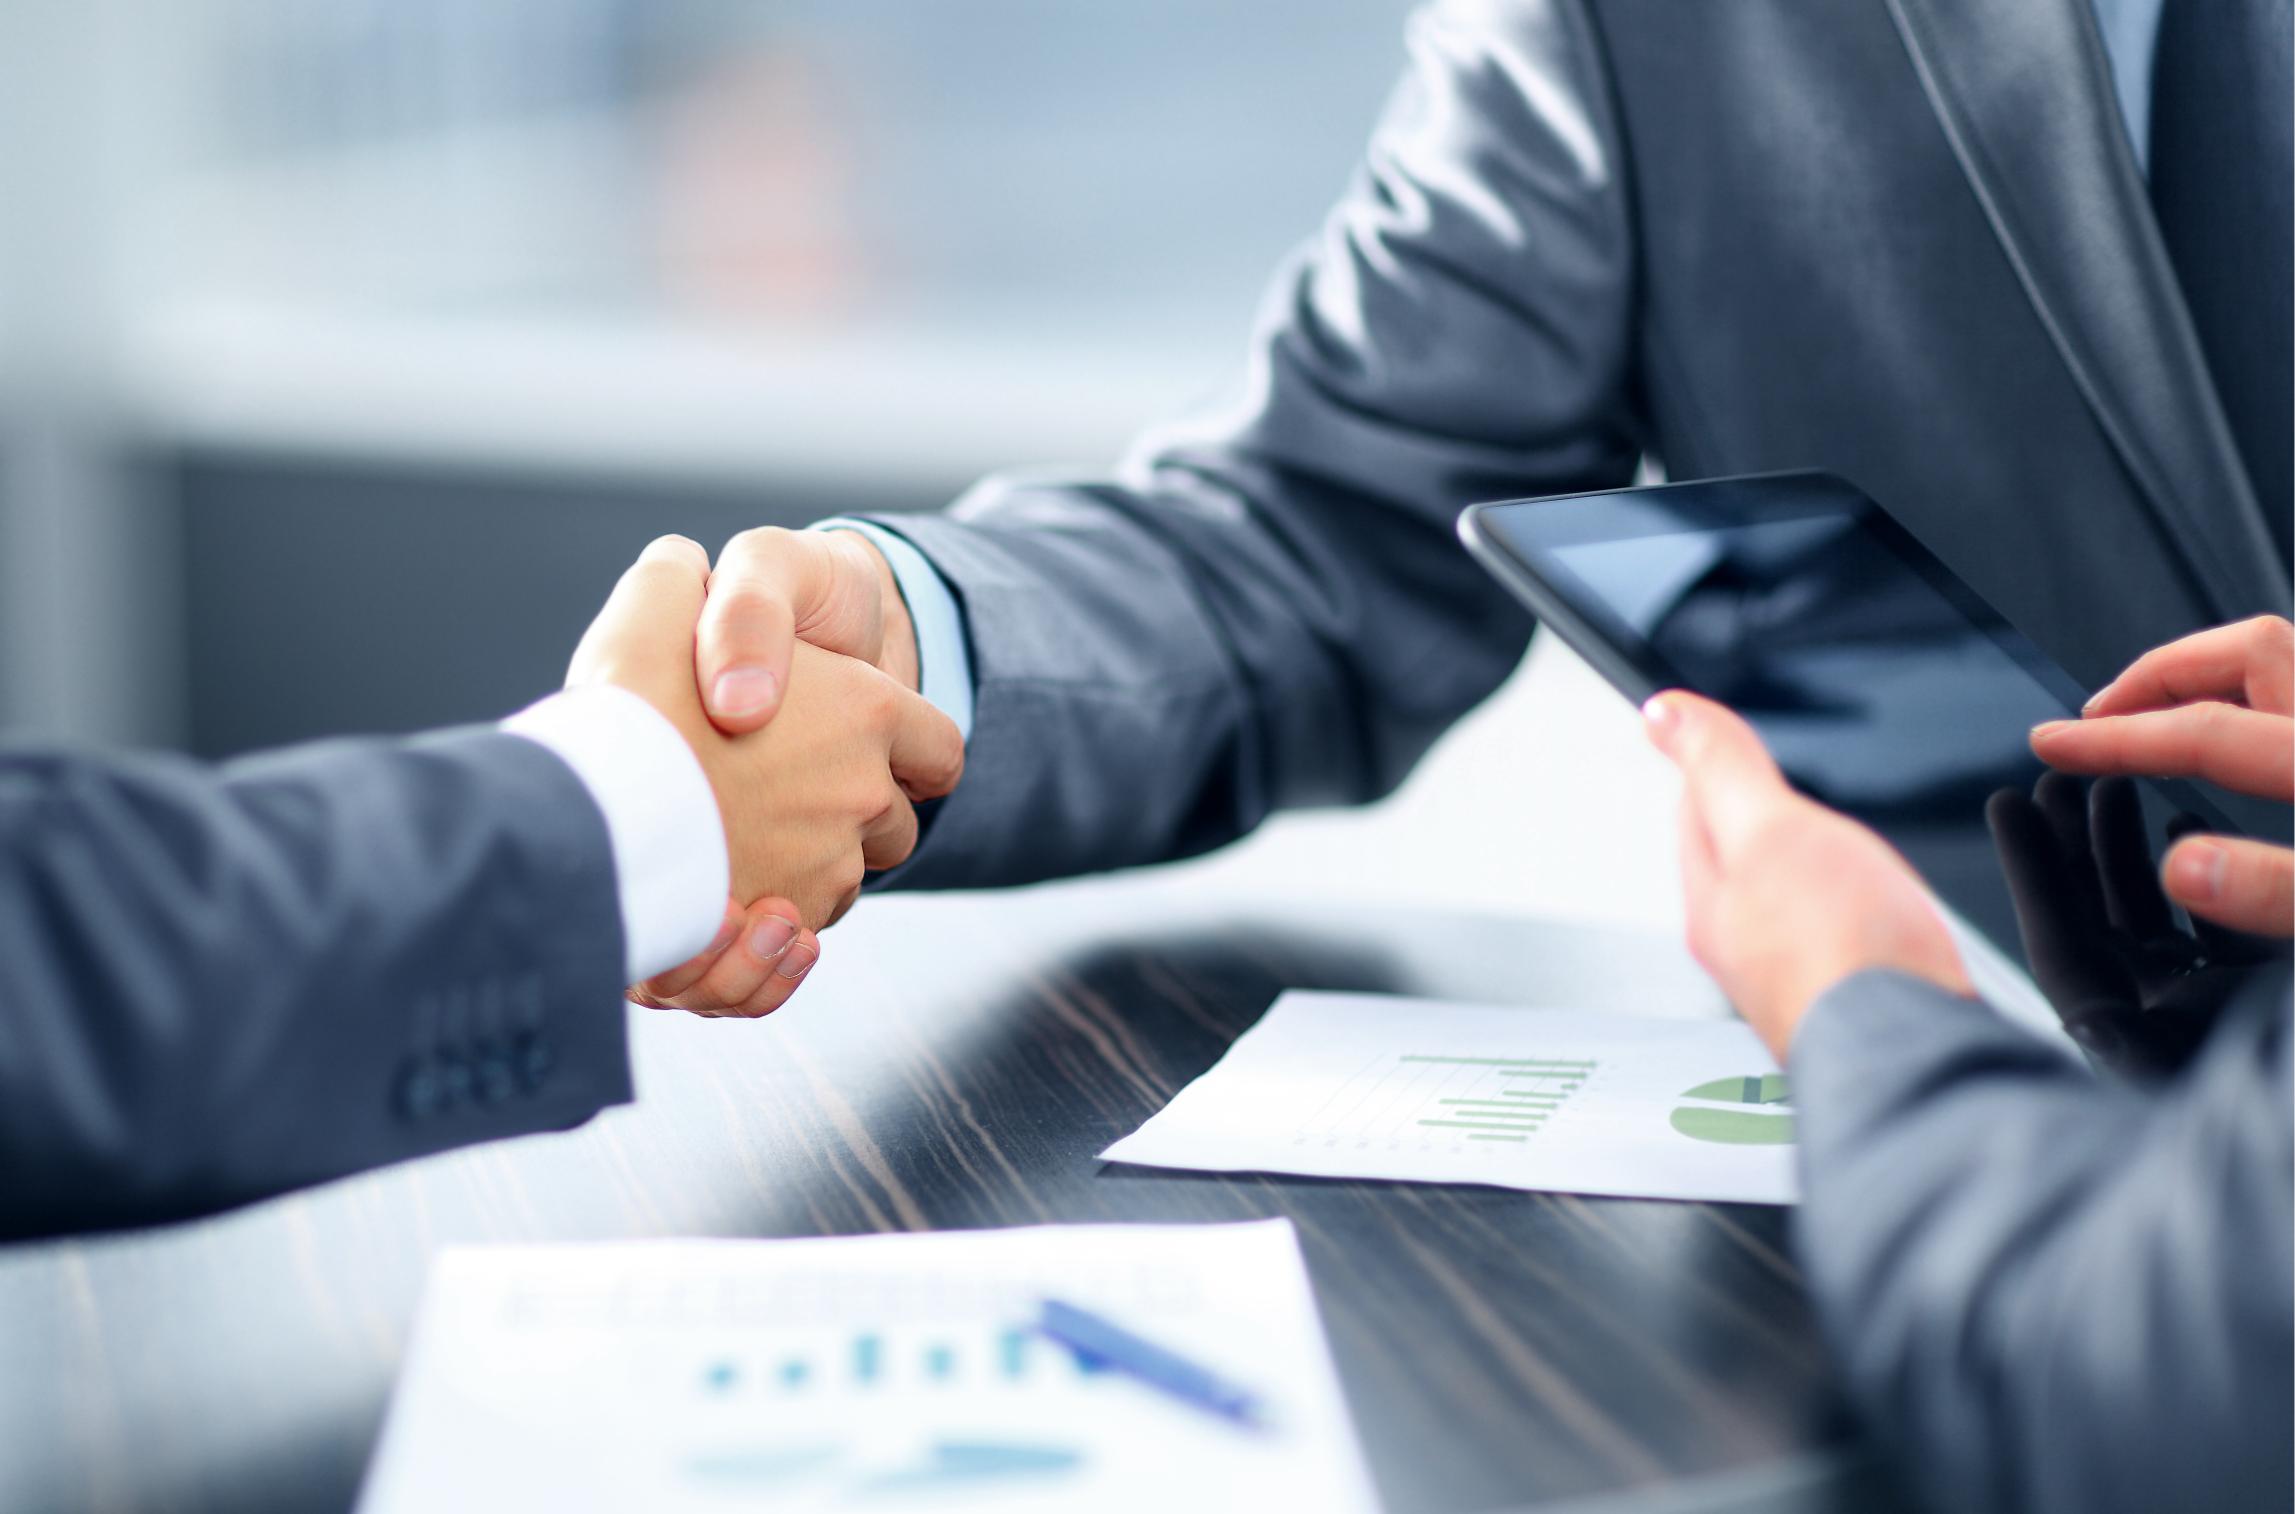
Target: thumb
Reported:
[(766, 582), (1730, 780), (643, 636)]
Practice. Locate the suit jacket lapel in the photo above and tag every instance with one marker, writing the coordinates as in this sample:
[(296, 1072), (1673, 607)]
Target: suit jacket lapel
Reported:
[(2046, 152)]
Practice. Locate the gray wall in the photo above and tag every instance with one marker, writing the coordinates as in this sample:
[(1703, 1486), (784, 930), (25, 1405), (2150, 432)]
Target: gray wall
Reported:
[(328, 598)]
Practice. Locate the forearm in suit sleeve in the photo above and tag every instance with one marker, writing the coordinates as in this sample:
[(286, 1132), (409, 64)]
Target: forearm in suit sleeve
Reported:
[(2054, 1294), (1269, 606), (219, 984)]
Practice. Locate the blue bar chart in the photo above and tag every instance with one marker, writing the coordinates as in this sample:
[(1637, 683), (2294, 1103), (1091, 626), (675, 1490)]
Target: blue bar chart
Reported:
[(869, 1372), (875, 1360)]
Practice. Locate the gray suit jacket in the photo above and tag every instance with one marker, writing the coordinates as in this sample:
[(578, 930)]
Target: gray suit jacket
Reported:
[(1903, 240), (2055, 1294), (219, 984)]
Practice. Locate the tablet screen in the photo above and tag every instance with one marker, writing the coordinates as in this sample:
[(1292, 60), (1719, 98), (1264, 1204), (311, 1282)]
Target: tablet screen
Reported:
[(1884, 686)]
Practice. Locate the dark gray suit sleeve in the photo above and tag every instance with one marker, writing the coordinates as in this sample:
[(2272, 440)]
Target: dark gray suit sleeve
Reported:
[(2054, 1294), (1269, 606), (219, 984)]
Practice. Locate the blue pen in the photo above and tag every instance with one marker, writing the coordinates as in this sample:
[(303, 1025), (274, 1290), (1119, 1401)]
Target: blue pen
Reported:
[(1104, 1342)]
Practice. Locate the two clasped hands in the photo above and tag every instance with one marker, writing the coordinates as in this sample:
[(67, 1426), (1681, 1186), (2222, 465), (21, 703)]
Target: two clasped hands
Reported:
[(791, 671)]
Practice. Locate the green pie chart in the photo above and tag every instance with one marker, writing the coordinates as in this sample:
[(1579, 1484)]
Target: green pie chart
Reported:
[(1765, 1119)]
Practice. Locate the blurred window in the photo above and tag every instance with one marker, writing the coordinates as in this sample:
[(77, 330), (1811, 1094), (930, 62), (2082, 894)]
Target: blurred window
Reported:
[(974, 165)]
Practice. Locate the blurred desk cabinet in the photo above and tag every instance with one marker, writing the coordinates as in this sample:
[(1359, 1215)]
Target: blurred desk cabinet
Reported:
[(958, 1062)]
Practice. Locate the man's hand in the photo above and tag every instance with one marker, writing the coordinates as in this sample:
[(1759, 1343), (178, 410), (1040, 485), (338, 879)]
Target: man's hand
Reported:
[(808, 804), (1785, 897), (775, 588), (757, 960), (2218, 705)]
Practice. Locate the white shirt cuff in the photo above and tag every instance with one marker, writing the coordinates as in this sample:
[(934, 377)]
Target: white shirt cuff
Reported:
[(943, 661), (670, 868)]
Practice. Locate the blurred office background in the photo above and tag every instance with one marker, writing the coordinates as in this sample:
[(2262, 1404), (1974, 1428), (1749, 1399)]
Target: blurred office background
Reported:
[(349, 349), (360, 342)]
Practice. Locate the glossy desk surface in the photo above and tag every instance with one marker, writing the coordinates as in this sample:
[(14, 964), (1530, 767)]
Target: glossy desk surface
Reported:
[(958, 1062)]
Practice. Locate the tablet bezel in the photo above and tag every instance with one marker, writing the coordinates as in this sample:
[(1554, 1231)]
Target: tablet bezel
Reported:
[(1574, 611)]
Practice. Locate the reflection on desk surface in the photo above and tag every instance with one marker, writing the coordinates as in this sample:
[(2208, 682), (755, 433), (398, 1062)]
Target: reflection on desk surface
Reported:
[(957, 1063)]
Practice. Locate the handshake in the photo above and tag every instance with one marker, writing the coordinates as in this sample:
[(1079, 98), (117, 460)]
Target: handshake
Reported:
[(791, 671)]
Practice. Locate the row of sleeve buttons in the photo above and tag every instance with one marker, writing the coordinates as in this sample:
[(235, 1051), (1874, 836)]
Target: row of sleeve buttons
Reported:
[(490, 1070)]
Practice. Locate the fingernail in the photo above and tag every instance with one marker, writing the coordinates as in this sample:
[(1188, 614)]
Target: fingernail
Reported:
[(799, 961), (2049, 728), (771, 938), (2196, 869), (742, 691), (2094, 699)]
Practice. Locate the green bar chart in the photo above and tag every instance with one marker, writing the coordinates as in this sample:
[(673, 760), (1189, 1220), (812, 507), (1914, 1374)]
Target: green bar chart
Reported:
[(1461, 1102), (1512, 1110), (1648, 1103)]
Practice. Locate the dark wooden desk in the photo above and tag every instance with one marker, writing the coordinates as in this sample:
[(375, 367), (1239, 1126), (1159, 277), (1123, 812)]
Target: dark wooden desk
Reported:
[(957, 1062)]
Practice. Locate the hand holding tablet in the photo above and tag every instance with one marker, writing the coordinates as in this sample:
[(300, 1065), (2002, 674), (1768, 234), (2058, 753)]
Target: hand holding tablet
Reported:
[(1881, 684)]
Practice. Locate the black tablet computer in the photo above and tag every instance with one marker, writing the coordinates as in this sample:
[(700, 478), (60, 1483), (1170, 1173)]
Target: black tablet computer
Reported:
[(1883, 684)]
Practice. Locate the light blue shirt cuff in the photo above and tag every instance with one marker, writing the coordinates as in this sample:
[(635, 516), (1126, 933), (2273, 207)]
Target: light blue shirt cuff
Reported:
[(943, 658)]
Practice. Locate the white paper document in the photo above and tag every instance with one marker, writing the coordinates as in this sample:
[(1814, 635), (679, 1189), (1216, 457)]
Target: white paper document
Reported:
[(879, 1372), (1558, 1100)]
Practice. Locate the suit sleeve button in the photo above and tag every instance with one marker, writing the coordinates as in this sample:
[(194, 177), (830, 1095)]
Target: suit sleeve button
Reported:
[(494, 1074), (534, 1059), (454, 1079), (419, 1091)]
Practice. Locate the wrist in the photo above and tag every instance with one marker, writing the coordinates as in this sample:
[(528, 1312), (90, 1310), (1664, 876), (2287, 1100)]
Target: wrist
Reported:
[(680, 709), (660, 807), (1926, 956)]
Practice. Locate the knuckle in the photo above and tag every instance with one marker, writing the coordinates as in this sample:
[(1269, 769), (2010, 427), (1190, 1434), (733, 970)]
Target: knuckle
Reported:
[(659, 569), (744, 598), (887, 801), (937, 762), (648, 573), (1774, 831), (755, 546), (879, 698), (710, 993), (680, 552), (896, 848)]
